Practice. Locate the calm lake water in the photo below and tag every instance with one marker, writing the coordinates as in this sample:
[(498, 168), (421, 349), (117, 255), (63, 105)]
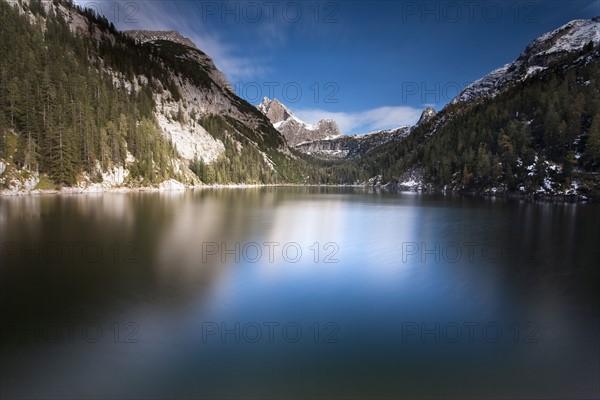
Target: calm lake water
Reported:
[(297, 293)]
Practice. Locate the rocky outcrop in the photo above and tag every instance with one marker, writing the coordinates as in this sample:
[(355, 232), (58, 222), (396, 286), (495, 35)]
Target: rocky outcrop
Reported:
[(293, 129), (352, 146), (209, 93), (275, 111), (427, 115), (153, 36)]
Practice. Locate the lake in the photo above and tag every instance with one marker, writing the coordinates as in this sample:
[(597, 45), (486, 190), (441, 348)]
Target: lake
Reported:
[(297, 292)]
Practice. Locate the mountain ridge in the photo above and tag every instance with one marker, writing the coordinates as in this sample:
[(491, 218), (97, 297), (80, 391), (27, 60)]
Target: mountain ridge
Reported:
[(166, 114), (145, 36), (295, 130), (207, 134), (538, 55)]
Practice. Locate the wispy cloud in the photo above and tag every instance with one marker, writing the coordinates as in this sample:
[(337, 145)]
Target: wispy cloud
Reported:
[(235, 67), (272, 35), (167, 15), (365, 121)]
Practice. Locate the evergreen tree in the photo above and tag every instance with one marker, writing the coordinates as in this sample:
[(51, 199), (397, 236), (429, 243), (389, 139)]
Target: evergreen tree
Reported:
[(592, 151)]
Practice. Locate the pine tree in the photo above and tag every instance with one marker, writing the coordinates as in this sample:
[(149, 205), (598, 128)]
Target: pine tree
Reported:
[(484, 167), (592, 150)]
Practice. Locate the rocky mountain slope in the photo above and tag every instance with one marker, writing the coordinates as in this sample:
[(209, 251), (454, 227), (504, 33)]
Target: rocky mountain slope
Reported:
[(293, 129), (352, 147), (209, 133), (150, 109), (428, 114), (142, 36), (538, 56)]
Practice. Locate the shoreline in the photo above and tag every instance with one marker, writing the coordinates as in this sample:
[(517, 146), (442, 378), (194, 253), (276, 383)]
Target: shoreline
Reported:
[(157, 189), (531, 197)]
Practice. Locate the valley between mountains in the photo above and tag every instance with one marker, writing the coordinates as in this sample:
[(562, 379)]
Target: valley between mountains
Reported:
[(142, 109)]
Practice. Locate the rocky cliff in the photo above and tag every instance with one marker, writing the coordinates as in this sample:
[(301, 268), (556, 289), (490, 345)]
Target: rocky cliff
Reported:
[(293, 129)]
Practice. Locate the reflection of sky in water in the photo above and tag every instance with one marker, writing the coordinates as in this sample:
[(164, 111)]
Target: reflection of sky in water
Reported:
[(546, 275)]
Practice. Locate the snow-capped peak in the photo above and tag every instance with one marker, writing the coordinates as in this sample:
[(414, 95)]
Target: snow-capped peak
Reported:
[(538, 55), (570, 37), (427, 114)]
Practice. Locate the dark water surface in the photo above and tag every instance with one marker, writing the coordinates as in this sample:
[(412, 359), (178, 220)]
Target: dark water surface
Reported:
[(297, 293)]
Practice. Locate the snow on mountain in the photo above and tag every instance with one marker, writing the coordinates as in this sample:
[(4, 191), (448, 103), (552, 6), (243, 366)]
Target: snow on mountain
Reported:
[(572, 36), (427, 115), (152, 36), (352, 146), (295, 130), (358, 145), (538, 55), (276, 111)]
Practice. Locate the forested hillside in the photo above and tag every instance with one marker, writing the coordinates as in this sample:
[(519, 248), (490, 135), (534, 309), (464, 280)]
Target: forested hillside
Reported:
[(60, 112), (79, 105), (541, 135)]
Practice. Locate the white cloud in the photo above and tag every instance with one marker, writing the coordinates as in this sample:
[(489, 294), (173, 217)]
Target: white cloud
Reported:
[(365, 121)]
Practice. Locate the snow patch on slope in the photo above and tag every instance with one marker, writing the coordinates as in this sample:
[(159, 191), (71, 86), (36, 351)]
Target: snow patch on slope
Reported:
[(538, 55)]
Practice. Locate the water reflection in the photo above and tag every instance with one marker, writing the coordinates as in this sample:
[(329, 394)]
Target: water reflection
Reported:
[(404, 262)]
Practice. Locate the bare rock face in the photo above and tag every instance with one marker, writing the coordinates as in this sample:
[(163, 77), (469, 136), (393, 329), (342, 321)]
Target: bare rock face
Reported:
[(427, 115), (293, 129), (329, 128), (208, 92), (153, 36), (352, 146), (274, 110)]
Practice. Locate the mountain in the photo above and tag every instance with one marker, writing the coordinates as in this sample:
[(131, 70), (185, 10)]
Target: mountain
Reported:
[(538, 56), (293, 129), (142, 36), (117, 109), (193, 53), (84, 107), (512, 132), (354, 146), (427, 115)]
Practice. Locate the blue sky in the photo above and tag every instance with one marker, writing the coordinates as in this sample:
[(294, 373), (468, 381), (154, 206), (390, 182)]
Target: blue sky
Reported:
[(368, 64)]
